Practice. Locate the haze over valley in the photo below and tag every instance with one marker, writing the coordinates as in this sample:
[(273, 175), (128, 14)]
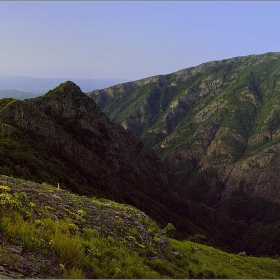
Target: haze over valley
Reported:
[(38, 86)]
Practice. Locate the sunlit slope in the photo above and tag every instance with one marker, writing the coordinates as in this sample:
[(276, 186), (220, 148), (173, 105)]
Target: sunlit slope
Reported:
[(47, 232)]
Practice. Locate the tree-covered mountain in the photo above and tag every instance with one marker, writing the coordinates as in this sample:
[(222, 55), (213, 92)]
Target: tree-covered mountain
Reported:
[(217, 128)]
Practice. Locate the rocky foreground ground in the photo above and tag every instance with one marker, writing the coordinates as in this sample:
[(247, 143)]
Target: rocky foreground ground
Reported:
[(120, 222)]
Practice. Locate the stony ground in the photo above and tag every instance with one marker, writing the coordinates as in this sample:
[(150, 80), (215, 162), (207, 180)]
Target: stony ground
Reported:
[(108, 218)]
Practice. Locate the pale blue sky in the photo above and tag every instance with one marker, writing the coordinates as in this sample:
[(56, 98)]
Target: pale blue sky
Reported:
[(130, 40)]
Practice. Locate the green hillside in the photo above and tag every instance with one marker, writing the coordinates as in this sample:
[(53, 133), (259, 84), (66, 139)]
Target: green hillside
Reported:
[(233, 103), (239, 91), (47, 232), (207, 176), (216, 127)]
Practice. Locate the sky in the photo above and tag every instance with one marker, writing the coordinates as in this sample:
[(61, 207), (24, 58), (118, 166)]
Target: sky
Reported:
[(130, 39)]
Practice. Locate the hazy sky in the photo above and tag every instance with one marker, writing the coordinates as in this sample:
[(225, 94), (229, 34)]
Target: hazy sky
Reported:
[(130, 40)]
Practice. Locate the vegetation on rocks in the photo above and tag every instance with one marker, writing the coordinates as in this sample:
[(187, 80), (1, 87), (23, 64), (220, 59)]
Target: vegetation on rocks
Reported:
[(223, 115), (47, 232), (216, 127)]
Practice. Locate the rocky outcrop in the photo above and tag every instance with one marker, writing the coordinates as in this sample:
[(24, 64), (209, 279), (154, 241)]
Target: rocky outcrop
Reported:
[(80, 117), (108, 219)]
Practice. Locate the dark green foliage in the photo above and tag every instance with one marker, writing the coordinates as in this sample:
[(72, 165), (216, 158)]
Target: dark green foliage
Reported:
[(274, 122), (262, 240), (5, 101), (240, 207), (170, 230), (24, 157), (254, 87)]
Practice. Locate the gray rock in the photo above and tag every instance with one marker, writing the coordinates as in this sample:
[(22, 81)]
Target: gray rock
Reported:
[(14, 249), (177, 255)]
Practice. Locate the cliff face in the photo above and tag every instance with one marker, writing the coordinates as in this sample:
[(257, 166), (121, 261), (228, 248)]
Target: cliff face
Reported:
[(87, 124), (216, 125)]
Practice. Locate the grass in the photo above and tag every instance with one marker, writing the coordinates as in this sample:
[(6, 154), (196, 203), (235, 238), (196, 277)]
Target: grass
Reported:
[(77, 253), (85, 253), (204, 261)]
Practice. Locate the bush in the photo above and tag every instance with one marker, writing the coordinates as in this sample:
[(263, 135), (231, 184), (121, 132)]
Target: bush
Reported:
[(170, 230)]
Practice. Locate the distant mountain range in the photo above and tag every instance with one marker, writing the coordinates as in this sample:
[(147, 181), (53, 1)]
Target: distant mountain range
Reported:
[(17, 94), (39, 86)]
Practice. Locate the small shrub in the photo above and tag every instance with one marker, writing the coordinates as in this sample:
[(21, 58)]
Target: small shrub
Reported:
[(198, 238), (5, 188), (170, 230), (68, 249), (9, 202), (89, 233), (74, 273), (8, 258), (162, 267), (19, 230)]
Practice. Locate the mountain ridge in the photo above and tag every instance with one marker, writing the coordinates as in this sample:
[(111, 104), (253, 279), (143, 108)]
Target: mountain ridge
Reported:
[(17, 94), (216, 126), (59, 106)]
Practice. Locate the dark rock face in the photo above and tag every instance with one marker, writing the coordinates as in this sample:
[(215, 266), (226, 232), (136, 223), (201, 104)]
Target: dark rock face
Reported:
[(64, 137), (70, 123)]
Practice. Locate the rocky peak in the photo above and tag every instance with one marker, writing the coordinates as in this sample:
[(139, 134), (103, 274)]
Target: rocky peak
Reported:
[(73, 110), (89, 153), (67, 96), (67, 87)]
